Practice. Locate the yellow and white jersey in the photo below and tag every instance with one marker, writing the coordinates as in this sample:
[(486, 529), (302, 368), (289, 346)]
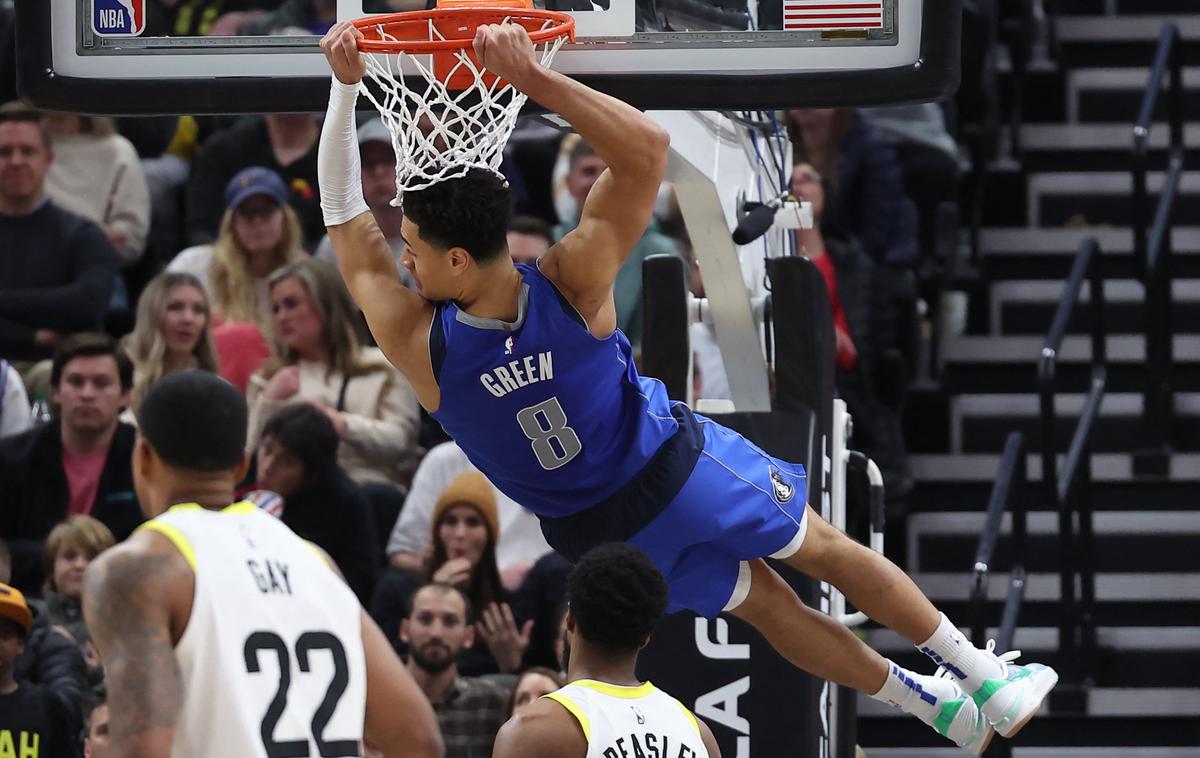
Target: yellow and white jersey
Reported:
[(631, 721), (272, 657)]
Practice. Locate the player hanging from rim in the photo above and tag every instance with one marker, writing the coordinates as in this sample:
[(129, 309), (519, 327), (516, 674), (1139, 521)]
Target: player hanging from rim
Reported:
[(222, 632), (615, 598), (524, 367)]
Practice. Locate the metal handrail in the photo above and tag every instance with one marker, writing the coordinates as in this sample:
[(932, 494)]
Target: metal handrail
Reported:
[(1068, 491), (1153, 250), (1008, 496)]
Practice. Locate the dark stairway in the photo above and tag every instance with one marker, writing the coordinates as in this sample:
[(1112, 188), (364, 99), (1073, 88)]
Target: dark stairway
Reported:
[(1073, 181)]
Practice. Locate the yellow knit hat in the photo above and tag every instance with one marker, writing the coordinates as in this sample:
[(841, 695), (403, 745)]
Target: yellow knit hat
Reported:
[(470, 488)]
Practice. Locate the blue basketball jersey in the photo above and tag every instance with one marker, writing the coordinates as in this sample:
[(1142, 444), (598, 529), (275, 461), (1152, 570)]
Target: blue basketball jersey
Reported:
[(555, 418)]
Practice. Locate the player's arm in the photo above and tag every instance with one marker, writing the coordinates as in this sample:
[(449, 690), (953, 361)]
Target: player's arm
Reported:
[(619, 206), (710, 742), (545, 729), (129, 597), (400, 721), (396, 314)]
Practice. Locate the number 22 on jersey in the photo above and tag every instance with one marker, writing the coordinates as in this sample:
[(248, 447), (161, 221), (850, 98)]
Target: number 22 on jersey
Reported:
[(308, 642)]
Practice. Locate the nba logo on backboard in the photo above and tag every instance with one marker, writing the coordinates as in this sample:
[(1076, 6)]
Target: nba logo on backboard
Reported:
[(119, 18)]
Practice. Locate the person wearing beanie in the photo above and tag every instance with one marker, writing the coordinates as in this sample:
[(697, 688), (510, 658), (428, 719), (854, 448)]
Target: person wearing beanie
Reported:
[(472, 489), (466, 525), (32, 720)]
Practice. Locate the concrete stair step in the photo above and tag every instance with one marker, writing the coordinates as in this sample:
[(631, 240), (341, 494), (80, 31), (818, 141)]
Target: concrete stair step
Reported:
[(1108, 468), (1070, 198), (1048, 734), (1090, 40), (1102, 93)]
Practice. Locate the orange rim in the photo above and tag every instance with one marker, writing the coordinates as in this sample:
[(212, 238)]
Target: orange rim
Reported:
[(458, 25)]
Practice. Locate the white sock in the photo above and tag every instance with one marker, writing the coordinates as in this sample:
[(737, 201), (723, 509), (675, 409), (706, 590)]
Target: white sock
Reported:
[(951, 650), (917, 694)]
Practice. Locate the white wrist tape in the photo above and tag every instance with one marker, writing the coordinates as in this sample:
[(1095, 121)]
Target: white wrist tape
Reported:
[(339, 171)]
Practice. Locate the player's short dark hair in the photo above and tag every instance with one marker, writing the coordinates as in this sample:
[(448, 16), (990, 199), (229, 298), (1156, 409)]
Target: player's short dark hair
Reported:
[(533, 227), (617, 597), (471, 212), (445, 589), (196, 421), (88, 345), (307, 434)]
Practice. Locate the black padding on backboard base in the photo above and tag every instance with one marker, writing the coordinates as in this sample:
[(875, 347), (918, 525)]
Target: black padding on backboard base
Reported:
[(805, 346), (666, 347), (934, 75)]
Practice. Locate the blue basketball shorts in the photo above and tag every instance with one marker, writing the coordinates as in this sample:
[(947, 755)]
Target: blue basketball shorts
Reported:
[(737, 505)]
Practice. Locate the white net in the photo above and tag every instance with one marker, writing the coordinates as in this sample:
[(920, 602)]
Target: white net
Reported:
[(439, 133)]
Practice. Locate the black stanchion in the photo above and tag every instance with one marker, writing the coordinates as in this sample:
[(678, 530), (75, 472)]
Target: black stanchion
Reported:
[(758, 704)]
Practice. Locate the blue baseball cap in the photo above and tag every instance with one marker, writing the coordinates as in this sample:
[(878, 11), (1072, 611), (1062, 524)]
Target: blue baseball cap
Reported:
[(252, 181)]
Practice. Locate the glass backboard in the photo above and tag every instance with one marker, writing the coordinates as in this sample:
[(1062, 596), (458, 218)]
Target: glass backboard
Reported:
[(202, 56)]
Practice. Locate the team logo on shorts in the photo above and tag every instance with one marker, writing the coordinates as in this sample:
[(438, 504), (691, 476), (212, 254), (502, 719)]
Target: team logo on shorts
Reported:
[(784, 490)]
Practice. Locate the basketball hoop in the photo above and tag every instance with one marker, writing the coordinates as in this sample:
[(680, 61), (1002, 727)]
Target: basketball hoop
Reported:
[(463, 115)]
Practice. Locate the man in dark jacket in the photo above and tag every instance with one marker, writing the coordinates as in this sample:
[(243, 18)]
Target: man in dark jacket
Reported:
[(78, 463), (56, 269)]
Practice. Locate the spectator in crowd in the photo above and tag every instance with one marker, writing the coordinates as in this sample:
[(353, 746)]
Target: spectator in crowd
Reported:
[(283, 143), (858, 306), (520, 542), (585, 168), (532, 684), (709, 380), (95, 741), (14, 403), (259, 233), (928, 158), (49, 659), (297, 459), (173, 331), (378, 159), (56, 274), (166, 145), (199, 18), (96, 174), (70, 549), (868, 203), (469, 710), (32, 720), (322, 362), (806, 186), (540, 600), (466, 523), (529, 238), (79, 463)]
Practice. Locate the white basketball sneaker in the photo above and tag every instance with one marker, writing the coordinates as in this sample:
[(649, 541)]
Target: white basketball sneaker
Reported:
[(1008, 702), (962, 722)]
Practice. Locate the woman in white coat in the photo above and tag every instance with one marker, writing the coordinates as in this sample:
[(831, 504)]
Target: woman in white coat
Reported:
[(321, 360)]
